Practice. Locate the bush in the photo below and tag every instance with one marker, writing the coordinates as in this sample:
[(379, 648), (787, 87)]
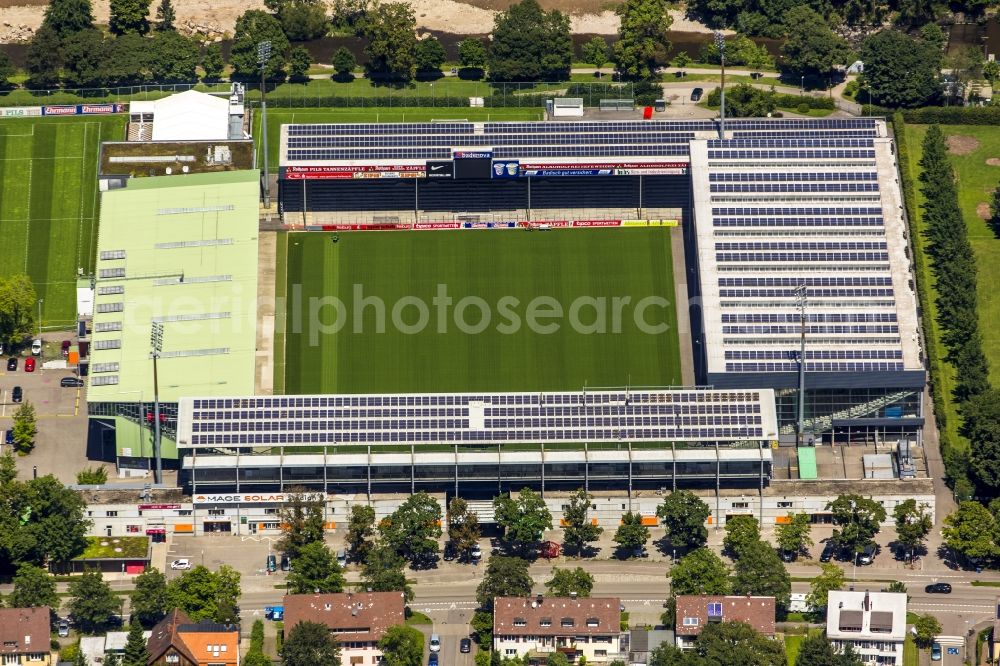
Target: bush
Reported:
[(802, 108), (953, 115), (852, 89), (789, 101)]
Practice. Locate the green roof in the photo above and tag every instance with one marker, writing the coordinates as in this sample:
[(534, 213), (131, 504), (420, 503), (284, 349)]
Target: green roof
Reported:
[(180, 250), (807, 462), (116, 548)]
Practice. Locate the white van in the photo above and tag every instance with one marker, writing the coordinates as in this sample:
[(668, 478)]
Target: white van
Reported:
[(342, 558), (36, 347), (435, 645)]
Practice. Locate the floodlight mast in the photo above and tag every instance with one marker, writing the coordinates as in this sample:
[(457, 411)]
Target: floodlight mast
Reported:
[(263, 56), (800, 301), (156, 347)]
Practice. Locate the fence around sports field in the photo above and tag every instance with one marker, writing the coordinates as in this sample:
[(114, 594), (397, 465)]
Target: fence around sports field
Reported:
[(360, 93)]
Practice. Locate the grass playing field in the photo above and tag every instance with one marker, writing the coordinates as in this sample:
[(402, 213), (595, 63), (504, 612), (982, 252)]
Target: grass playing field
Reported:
[(452, 347), (49, 204)]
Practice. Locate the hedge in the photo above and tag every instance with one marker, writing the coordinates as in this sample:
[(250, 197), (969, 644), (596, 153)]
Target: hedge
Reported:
[(953, 115), (790, 101)]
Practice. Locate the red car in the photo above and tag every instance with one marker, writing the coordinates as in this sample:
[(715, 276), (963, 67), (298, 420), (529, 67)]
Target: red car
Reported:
[(29, 364), (65, 347)]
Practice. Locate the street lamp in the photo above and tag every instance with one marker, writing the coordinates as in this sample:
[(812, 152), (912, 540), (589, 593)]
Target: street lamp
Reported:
[(40, 301), (156, 348), (802, 85), (720, 43), (263, 56)]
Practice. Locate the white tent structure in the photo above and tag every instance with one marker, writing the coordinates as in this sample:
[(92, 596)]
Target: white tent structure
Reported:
[(191, 116)]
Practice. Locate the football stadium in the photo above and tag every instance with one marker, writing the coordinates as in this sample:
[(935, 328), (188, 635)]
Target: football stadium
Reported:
[(783, 235)]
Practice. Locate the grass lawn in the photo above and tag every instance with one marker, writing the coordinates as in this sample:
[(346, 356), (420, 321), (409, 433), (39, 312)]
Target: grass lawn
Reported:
[(49, 204), (277, 117), (911, 656), (976, 182), (792, 643), (99, 548), (416, 617), (507, 270)]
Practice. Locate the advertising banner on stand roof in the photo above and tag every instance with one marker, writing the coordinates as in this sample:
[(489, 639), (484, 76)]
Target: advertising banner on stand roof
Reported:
[(252, 498), (354, 171)]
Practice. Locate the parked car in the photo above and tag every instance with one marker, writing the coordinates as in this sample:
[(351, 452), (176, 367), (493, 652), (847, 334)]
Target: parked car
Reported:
[(182, 564), (36, 347), (71, 382), (935, 651), (450, 552), (465, 646), (29, 364), (342, 557), (17, 394), (433, 659), (8, 439), (272, 563), (696, 94), (828, 551), (63, 628), (65, 347), (12, 364), (476, 553), (286, 562), (788, 555), (435, 644), (938, 588), (867, 556)]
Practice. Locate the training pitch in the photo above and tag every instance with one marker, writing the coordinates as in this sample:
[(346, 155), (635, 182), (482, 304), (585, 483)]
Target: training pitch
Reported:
[(614, 288), (49, 204)]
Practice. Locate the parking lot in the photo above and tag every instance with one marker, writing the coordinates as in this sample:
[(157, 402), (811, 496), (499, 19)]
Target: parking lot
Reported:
[(60, 447)]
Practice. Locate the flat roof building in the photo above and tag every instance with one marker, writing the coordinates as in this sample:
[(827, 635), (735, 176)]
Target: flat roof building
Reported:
[(873, 623)]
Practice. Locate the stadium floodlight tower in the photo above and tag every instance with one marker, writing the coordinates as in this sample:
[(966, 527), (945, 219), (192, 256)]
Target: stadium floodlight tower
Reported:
[(720, 43), (263, 56), (800, 301), (155, 349)]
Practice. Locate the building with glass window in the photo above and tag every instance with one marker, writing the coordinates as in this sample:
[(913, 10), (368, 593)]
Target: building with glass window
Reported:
[(179, 251)]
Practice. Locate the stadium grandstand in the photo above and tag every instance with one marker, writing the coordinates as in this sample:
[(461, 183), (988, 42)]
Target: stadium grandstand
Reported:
[(478, 443)]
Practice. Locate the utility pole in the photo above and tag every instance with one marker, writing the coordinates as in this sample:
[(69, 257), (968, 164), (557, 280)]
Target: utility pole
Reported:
[(263, 56), (800, 300), (720, 43), (156, 347)]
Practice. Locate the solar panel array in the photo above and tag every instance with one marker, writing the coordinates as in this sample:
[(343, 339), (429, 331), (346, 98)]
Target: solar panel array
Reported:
[(617, 139), (804, 207), (479, 418)]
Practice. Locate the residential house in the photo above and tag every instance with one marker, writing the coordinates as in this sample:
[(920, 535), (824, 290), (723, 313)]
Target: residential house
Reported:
[(25, 634), (643, 641), (696, 611), (96, 649), (177, 641), (538, 626), (873, 623), (357, 619)]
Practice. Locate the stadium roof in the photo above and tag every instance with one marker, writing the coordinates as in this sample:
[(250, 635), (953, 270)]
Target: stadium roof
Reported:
[(694, 415), (823, 211), (182, 251)]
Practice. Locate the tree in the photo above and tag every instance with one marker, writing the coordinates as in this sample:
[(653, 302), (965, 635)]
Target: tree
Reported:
[(18, 300), (92, 476), (429, 56), (566, 582), (971, 531), (832, 578), (578, 529), (204, 595), (302, 523), (817, 650), (700, 571), (382, 571), (642, 38), (913, 524), (165, 16), (92, 603), (897, 586), (310, 644), (360, 530), (991, 70), (113, 659), (859, 520), (557, 659), (994, 220), (926, 627), (737, 644), (43, 61), (343, 64), (173, 57), (85, 54), (391, 41), (148, 600), (315, 570), (981, 425), (25, 428), (504, 577), (252, 28), (301, 20), (463, 525), (758, 571), (812, 48), (129, 16), (631, 535), (684, 515), (681, 60), (402, 646), (299, 62), (6, 69), (472, 54), (212, 63), (793, 535), (8, 468), (741, 531), (414, 528), (596, 52), (42, 522), (523, 518), (69, 16), (530, 44), (899, 71), (33, 588), (136, 653)]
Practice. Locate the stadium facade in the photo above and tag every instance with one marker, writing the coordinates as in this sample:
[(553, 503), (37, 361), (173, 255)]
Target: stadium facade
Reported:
[(777, 206)]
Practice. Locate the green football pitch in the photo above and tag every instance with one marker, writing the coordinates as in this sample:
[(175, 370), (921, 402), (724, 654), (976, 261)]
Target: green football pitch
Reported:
[(49, 204), (478, 310)]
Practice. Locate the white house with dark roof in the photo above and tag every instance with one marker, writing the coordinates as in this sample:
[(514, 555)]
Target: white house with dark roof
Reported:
[(873, 623)]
